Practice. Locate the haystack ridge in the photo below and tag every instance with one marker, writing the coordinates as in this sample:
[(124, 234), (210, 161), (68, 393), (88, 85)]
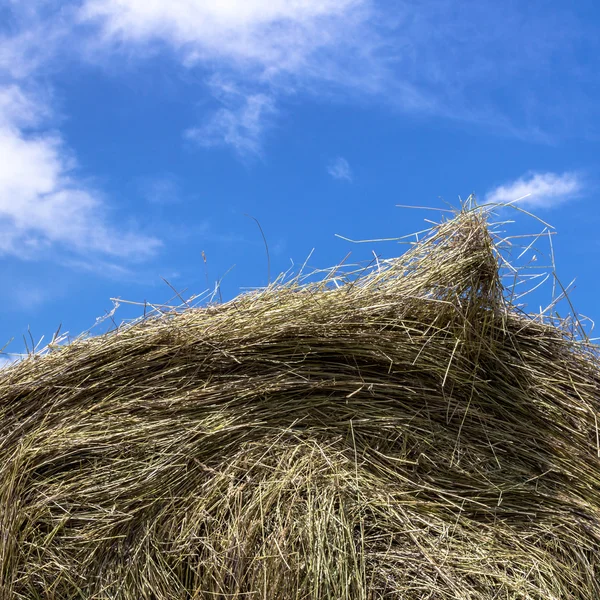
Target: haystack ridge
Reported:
[(408, 434)]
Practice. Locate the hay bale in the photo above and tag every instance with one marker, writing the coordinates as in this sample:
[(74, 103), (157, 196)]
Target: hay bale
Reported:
[(407, 435)]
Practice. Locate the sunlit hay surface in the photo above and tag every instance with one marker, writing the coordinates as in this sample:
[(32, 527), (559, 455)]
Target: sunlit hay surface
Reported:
[(407, 435)]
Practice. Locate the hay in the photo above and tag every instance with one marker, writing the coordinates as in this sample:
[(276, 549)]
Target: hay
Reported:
[(408, 434)]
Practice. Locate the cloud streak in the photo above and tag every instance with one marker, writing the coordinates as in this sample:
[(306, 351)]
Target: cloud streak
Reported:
[(538, 190)]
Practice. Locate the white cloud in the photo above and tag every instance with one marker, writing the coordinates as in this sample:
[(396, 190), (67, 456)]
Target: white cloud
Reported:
[(275, 34), (256, 50), (538, 190), (357, 49), (33, 33), (240, 123), (17, 109), (372, 49), (43, 204), (340, 169)]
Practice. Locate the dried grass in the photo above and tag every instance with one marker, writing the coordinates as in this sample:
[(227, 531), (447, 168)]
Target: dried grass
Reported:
[(404, 434)]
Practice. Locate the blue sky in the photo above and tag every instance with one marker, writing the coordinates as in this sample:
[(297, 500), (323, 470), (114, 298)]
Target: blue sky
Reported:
[(136, 135)]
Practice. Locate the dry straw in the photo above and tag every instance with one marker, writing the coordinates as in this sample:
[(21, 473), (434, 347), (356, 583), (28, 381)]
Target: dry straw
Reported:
[(403, 433)]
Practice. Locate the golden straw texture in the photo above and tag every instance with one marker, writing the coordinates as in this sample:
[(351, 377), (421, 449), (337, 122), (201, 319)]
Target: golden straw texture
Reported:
[(407, 434)]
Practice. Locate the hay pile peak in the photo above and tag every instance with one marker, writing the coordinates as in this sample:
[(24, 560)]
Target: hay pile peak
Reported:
[(402, 432)]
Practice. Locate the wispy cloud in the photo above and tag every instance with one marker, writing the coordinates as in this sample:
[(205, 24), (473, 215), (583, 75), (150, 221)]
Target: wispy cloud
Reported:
[(340, 169), (539, 190), (270, 50), (257, 53), (273, 35), (350, 47), (43, 203), (47, 209), (18, 109), (241, 122), (33, 34)]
